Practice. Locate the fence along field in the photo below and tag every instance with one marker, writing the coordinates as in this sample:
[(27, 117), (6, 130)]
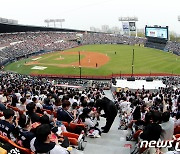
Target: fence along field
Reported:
[(100, 60)]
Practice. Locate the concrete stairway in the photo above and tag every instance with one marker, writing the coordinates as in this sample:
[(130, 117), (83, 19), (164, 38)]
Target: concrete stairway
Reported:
[(112, 142)]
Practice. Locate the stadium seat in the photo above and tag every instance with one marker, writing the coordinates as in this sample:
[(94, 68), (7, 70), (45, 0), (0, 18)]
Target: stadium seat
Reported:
[(136, 135), (72, 135), (48, 111), (73, 138), (1, 114), (73, 127), (55, 114), (39, 114), (15, 109), (66, 124), (177, 130), (23, 150)]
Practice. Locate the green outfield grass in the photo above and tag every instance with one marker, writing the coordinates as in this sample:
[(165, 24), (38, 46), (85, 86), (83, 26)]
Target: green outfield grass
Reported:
[(146, 60)]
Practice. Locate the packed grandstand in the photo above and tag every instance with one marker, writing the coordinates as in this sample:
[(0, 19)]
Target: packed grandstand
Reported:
[(21, 44), (53, 115)]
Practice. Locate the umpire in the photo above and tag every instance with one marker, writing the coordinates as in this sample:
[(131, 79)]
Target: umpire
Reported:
[(110, 111)]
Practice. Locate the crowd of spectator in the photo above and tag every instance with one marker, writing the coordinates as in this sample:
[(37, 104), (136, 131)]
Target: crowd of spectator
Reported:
[(151, 116), (15, 45), (173, 47), (100, 38), (20, 44), (146, 111), (31, 126)]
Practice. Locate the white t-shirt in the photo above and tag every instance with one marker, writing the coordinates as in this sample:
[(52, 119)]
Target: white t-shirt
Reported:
[(167, 130), (125, 105), (89, 123), (39, 105)]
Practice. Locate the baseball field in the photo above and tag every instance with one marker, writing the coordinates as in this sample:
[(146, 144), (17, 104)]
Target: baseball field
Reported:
[(99, 60)]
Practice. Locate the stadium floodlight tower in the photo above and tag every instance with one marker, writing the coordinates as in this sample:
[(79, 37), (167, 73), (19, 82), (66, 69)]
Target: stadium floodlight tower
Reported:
[(129, 24), (60, 21), (47, 21), (54, 21), (178, 18)]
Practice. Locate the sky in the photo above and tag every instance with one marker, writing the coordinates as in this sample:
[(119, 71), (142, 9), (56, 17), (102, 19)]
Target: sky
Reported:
[(83, 14)]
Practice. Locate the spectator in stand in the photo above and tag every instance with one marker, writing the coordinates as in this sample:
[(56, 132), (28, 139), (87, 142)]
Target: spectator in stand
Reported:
[(110, 111), (22, 105), (2, 106), (47, 103), (167, 126), (57, 104), (43, 144), (153, 130), (63, 114), (25, 134), (177, 120), (38, 104), (7, 128), (31, 111)]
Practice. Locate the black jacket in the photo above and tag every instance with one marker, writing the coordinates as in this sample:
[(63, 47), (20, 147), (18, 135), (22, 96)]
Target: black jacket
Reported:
[(108, 106)]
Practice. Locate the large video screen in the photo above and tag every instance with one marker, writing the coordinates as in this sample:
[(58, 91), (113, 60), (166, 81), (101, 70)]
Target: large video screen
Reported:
[(158, 32)]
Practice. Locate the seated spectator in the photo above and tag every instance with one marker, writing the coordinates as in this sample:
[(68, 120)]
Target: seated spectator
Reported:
[(22, 105), (31, 108), (82, 106), (86, 119), (57, 104), (42, 143), (125, 105), (47, 105), (74, 110), (28, 98), (63, 114), (38, 105), (91, 124), (25, 134), (167, 126), (153, 130), (2, 106), (6, 126)]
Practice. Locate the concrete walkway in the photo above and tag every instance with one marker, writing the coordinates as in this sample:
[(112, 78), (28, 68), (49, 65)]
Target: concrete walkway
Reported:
[(113, 142)]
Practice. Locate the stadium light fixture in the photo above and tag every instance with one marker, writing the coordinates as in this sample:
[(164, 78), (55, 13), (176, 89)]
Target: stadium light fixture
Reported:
[(128, 18), (54, 21), (178, 18), (60, 21), (47, 21)]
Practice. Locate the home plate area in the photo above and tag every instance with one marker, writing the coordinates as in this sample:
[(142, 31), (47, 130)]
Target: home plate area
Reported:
[(38, 68)]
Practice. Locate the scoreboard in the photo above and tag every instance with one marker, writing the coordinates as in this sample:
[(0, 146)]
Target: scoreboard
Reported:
[(157, 32)]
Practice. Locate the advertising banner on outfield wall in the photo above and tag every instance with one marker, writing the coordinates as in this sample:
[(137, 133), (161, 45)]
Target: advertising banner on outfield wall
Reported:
[(125, 26), (132, 26)]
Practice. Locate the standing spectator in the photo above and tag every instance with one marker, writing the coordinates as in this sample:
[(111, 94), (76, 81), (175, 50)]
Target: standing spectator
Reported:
[(110, 111)]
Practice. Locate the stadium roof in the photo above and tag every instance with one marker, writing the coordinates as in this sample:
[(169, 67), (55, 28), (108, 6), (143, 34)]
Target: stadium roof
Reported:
[(11, 28)]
